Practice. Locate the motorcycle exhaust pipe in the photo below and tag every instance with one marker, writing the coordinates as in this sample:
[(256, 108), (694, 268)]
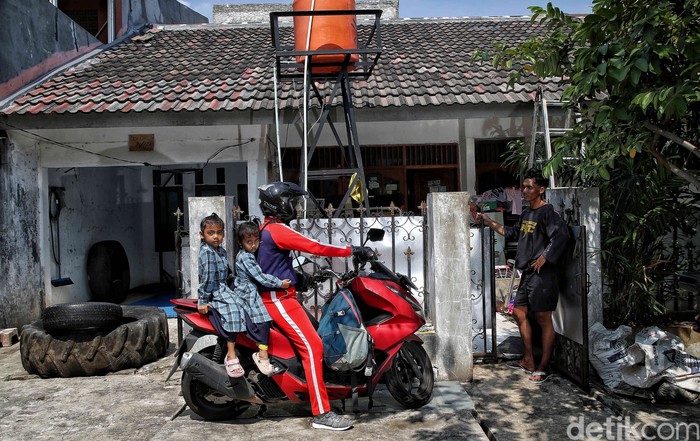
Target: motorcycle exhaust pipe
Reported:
[(214, 375)]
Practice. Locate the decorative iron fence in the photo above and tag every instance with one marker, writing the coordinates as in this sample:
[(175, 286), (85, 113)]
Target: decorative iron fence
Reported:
[(483, 292), (402, 250)]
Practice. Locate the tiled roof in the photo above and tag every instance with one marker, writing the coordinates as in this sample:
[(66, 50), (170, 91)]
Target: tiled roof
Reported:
[(210, 68)]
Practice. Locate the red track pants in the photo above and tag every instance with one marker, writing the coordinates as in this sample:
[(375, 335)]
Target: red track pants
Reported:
[(291, 319)]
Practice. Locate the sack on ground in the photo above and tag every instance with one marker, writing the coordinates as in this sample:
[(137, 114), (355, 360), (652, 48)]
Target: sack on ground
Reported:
[(608, 352), (659, 355), (346, 342)]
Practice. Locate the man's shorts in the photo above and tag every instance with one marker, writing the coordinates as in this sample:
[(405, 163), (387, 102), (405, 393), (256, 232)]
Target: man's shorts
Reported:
[(539, 292)]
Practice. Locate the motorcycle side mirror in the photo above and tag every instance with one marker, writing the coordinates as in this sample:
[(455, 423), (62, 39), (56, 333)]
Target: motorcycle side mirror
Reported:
[(375, 234)]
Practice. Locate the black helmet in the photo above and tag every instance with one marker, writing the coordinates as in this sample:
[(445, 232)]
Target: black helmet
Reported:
[(279, 199)]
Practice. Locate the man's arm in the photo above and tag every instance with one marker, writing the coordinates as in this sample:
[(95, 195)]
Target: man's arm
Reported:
[(510, 233), (495, 226), (558, 233), (288, 239)]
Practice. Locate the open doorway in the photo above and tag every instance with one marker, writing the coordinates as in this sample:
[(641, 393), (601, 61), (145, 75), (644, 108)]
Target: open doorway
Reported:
[(133, 206)]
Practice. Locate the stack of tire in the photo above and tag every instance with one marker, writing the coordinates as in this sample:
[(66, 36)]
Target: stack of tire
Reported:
[(93, 338)]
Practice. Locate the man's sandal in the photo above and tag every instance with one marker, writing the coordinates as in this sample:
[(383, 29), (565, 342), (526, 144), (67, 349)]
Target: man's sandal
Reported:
[(263, 364), (234, 368), (515, 364), (542, 375)]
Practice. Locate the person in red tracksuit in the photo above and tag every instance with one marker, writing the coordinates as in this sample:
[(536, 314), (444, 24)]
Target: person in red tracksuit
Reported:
[(277, 241)]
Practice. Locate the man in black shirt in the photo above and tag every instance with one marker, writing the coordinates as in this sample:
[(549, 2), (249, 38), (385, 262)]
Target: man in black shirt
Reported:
[(542, 237)]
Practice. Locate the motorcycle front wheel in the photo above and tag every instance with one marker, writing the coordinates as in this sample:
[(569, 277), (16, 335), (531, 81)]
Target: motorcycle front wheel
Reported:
[(207, 402), (410, 379)]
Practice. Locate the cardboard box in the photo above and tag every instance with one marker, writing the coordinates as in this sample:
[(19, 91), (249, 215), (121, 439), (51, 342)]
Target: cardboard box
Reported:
[(691, 338)]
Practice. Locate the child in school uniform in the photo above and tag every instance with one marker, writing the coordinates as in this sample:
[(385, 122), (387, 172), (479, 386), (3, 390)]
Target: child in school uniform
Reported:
[(242, 310)]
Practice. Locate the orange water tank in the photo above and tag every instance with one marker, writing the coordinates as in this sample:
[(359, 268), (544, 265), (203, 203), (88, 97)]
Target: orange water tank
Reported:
[(329, 32)]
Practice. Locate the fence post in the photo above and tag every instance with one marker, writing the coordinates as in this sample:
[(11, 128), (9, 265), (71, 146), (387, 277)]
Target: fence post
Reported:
[(424, 214), (393, 209), (178, 254), (448, 251), (362, 223)]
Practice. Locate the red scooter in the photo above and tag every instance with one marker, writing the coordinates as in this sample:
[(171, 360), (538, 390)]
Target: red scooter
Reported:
[(390, 313)]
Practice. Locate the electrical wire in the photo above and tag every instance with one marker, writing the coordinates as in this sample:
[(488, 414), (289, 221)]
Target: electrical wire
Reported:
[(71, 147), (306, 91), (147, 164)]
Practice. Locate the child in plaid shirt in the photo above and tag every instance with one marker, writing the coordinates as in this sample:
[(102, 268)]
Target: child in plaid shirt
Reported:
[(241, 310)]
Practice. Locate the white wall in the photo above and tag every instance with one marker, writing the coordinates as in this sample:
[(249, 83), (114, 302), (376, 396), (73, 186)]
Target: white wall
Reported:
[(100, 204), (101, 147)]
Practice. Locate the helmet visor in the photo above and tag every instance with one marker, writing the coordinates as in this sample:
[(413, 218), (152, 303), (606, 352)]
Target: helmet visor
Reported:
[(296, 202)]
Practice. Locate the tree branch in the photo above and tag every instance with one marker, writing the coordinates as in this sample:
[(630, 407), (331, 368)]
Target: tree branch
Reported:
[(675, 170), (675, 138)]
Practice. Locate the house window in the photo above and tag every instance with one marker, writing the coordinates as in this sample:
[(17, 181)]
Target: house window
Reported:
[(202, 189), (91, 15), (398, 174), (490, 173), (86, 18)]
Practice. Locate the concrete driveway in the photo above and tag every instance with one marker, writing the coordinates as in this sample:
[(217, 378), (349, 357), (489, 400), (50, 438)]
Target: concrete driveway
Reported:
[(139, 404)]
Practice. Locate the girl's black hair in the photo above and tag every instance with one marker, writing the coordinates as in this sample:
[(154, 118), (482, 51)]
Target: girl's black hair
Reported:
[(212, 219), (247, 229)]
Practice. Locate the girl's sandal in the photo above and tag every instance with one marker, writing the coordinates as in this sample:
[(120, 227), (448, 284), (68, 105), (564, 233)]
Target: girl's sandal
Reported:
[(234, 368), (263, 364)]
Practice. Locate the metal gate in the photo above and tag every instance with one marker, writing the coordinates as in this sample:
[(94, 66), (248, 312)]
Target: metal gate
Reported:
[(483, 293), (403, 251), (571, 316)]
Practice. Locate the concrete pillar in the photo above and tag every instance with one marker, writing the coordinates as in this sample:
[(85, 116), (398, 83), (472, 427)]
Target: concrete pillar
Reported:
[(199, 208), (22, 289), (450, 348)]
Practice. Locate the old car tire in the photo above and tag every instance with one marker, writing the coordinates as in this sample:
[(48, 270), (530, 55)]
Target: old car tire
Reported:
[(141, 338), (410, 379), (108, 271), (88, 316)]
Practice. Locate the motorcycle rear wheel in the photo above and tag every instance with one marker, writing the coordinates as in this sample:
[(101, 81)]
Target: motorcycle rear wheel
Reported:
[(410, 379), (207, 402)]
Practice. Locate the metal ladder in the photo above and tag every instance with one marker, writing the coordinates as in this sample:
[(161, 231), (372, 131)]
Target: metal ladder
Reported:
[(541, 131)]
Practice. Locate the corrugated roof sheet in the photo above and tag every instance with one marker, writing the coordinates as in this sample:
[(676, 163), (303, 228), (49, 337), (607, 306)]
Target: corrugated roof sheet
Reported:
[(211, 68)]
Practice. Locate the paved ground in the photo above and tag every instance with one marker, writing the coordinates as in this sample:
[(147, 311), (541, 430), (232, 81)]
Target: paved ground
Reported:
[(139, 404), (499, 404)]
